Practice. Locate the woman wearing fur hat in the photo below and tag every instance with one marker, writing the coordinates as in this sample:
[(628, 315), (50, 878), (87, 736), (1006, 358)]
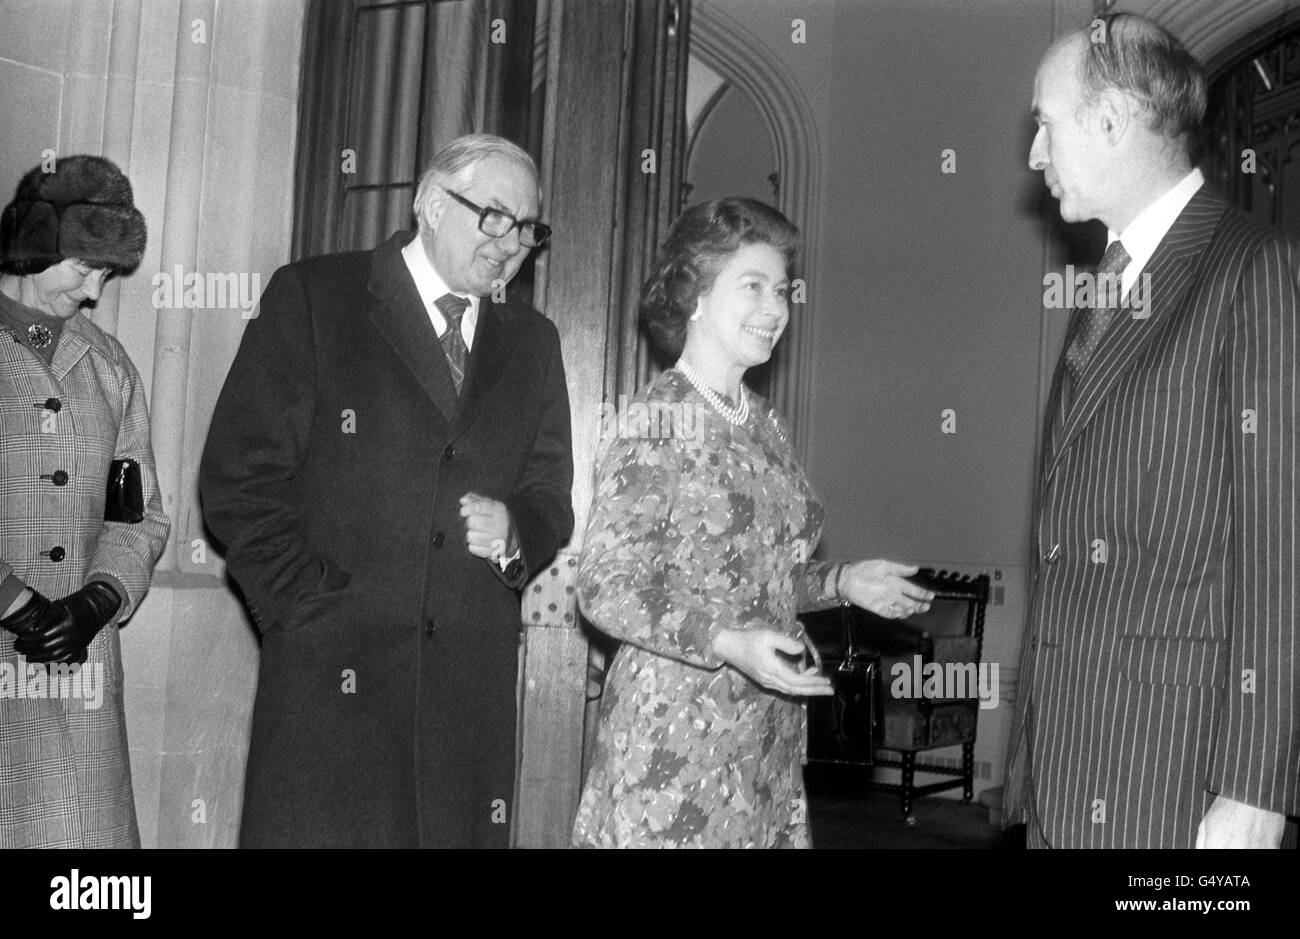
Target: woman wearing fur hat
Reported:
[(81, 520)]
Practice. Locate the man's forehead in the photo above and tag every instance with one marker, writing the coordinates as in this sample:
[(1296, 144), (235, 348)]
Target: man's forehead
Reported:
[(1058, 74), (503, 182), (1063, 60)]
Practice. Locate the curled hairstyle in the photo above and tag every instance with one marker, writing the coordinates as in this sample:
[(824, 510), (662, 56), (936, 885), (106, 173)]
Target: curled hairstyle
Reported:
[(695, 251), (453, 164), (1147, 61)]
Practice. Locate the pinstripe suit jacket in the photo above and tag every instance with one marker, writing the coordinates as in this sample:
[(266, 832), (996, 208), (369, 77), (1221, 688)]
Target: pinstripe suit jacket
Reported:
[(1159, 664), (65, 775)]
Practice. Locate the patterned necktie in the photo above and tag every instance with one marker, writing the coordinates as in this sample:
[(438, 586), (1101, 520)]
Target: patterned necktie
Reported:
[(1097, 319), (453, 343)]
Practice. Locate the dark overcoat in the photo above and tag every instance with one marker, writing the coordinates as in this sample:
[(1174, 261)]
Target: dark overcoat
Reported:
[(336, 459)]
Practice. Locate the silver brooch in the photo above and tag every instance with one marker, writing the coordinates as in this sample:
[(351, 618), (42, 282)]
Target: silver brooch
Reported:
[(39, 335)]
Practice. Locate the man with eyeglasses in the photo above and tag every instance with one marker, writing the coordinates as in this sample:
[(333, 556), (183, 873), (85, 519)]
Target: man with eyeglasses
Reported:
[(388, 464)]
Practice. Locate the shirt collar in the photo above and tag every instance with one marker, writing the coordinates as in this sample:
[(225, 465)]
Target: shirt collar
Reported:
[(1145, 232), (431, 285)]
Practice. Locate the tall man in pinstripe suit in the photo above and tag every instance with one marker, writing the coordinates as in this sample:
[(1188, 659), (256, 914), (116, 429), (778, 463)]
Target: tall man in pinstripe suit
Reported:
[(1159, 670)]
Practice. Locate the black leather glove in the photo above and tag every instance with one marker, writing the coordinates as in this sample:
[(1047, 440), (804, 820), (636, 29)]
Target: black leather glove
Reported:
[(78, 618), (35, 614)]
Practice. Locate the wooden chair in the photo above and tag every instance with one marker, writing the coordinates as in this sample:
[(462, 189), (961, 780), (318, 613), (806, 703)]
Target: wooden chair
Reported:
[(879, 665)]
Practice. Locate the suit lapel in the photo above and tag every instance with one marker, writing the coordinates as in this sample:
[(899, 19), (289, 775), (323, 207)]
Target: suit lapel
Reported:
[(1171, 269), (1057, 404), (402, 320), (487, 361)]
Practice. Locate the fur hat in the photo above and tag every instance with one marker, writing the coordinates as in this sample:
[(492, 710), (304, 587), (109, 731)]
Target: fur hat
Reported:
[(81, 210)]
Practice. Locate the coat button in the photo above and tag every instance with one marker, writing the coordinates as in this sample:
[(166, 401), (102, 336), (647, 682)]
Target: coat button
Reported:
[(57, 554), (59, 478), (439, 539), (428, 627), (450, 452), (53, 404), (1053, 555)]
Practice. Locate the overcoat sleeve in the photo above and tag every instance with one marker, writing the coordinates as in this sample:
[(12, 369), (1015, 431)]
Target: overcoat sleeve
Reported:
[(125, 553), (541, 506), (1257, 753), (255, 447), (10, 586)]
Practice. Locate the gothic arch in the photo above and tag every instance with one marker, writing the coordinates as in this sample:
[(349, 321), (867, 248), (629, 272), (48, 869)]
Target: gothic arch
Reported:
[(740, 57), (1213, 31)]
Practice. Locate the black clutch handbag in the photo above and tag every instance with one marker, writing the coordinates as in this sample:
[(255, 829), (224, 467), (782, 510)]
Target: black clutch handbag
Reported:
[(124, 501), (842, 726)]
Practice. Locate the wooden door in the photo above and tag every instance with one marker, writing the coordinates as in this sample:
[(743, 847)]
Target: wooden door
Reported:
[(612, 154)]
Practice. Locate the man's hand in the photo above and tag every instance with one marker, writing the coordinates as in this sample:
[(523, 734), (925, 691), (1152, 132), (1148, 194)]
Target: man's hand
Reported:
[(489, 530), (757, 653), (1232, 824)]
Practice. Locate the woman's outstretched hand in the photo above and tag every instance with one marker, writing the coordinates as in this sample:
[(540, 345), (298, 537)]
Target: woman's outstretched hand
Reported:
[(880, 586), (769, 657)]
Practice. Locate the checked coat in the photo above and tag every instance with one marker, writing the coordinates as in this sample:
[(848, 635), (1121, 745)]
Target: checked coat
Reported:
[(1160, 663), (65, 775)]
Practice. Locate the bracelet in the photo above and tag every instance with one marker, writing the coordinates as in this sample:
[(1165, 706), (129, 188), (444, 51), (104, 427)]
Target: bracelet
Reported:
[(839, 577)]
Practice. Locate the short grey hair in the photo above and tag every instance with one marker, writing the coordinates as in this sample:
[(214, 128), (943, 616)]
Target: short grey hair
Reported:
[(454, 163), (1144, 59)]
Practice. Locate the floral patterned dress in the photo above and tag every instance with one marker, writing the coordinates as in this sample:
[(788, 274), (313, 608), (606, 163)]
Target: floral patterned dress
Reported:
[(697, 526)]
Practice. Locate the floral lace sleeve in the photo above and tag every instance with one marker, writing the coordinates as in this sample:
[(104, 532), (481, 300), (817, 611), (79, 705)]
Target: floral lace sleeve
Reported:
[(814, 581), (814, 586), (639, 579)]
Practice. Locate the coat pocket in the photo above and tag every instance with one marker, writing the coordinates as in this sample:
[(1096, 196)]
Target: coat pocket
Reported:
[(309, 610), (321, 608), (1161, 660)]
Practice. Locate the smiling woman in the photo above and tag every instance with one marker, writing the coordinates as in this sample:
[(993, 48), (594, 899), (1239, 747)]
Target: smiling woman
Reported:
[(697, 559)]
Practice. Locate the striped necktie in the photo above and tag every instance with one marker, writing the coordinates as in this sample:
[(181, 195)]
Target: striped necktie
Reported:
[(1097, 319), (453, 343)]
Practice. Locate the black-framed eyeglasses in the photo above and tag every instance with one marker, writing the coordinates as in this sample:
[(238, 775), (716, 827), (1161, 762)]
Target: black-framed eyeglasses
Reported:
[(497, 224)]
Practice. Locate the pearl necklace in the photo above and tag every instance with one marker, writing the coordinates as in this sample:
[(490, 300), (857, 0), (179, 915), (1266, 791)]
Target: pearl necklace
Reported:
[(733, 414)]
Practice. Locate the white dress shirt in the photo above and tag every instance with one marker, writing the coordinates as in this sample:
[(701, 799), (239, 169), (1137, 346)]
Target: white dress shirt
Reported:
[(431, 286), (1145, 232)]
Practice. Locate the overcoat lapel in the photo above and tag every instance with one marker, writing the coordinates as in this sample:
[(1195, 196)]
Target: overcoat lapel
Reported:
[(401, 319), (487, 362), (72, 346), (1171, 269)]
